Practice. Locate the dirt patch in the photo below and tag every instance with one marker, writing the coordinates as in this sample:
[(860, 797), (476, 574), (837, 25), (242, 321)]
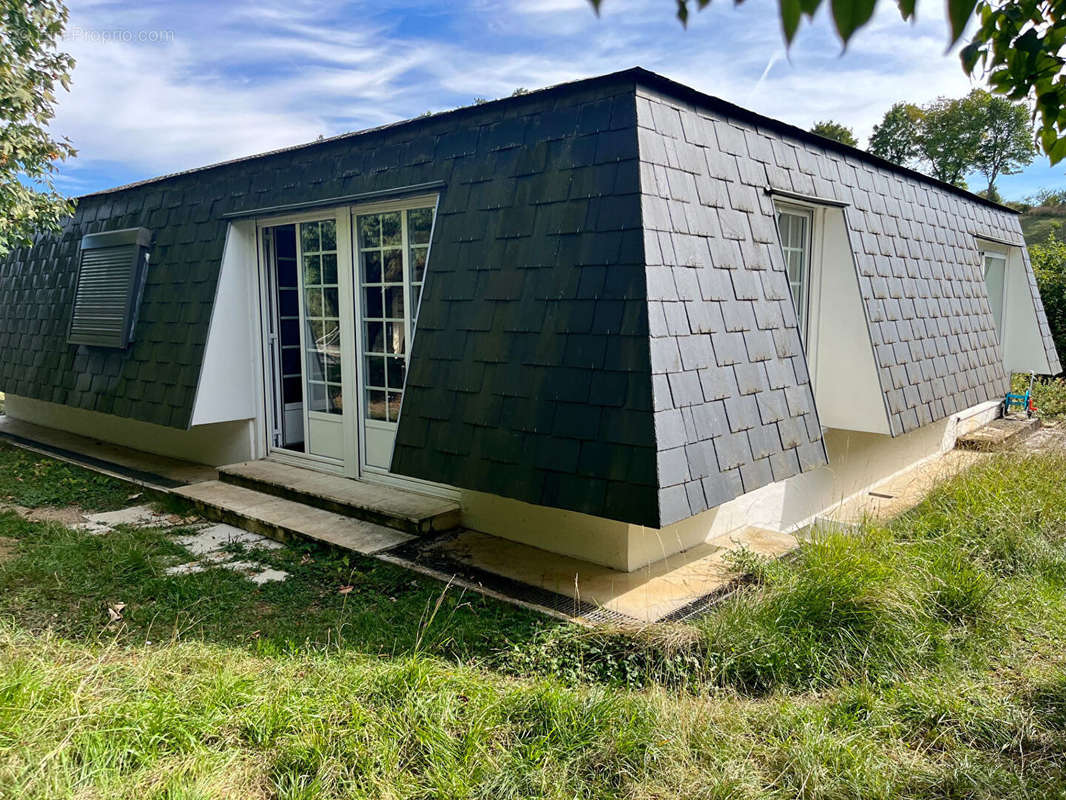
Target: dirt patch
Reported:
[(65, 516), (1050, 437), (8, 548), (68, 515)]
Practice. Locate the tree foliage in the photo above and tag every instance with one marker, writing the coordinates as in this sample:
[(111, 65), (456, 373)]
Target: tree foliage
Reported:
[(1049, 266), (1019, 45), (1006, 139), (836, 131), (896, 137), (950, 138), (30, 68)]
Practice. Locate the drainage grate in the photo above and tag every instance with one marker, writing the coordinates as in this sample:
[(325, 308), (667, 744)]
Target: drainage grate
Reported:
[(702, 605), (147, 479), (422, 553)]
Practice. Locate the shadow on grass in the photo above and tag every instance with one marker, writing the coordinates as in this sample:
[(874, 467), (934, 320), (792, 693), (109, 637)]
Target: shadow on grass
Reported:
[(64, 580), (36, 481)]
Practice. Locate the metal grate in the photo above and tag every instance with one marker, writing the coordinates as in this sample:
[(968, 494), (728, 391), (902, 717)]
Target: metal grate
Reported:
[(422, 553)]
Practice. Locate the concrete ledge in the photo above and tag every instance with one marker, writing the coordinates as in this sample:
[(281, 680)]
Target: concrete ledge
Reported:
[(1000, 434), (402, 509), (136, 466), (283, 520)]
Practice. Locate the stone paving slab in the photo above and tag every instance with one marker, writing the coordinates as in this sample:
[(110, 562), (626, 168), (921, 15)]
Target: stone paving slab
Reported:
[(646, 595), (407, 510), (280, 518), (999, 434)]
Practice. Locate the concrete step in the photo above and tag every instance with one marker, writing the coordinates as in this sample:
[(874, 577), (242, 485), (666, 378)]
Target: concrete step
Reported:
[(285, 519), (403, 510), (1000, 434)]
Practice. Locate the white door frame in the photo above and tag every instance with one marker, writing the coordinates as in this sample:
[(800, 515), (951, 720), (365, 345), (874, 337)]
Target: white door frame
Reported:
[(349, 283), (815, 214), (348, 464), (987, 248), (368, 471)]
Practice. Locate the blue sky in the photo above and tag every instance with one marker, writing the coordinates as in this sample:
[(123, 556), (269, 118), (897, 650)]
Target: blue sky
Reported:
[(165, 86)]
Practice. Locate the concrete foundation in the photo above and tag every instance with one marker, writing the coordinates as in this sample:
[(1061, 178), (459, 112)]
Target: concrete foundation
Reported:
[(858, 463), (214, 445)]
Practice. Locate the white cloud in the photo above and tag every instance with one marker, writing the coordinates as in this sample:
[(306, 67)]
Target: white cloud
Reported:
[(243, 78)]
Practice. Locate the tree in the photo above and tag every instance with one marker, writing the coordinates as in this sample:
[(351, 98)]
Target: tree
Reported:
[(836, 131), (1019, 45), (1049, 267), (30, 68), (1007, 139), (896, 137), (949, 136)]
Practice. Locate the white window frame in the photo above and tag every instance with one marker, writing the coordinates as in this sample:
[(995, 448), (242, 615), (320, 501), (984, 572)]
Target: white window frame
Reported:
[(808, 319), (986, 249)]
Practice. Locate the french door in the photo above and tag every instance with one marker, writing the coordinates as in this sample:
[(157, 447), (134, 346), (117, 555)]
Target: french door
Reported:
[(310, 338), (342, 291), (392, 251)]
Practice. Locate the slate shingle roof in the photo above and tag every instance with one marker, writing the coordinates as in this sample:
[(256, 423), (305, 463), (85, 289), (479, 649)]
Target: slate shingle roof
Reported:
[(606, 326), (734, 409)]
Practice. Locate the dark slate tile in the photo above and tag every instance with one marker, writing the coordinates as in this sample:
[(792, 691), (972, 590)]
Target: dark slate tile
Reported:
[(673, 505)]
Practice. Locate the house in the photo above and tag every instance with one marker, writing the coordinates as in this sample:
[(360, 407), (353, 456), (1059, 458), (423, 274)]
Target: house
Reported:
[(612, 318)]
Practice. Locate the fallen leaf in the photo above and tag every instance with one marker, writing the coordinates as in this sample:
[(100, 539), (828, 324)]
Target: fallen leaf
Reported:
[(345, 590), (306, 559), (114, 611)]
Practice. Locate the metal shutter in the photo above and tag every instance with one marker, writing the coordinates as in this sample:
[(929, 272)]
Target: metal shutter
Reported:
[(111, 275)]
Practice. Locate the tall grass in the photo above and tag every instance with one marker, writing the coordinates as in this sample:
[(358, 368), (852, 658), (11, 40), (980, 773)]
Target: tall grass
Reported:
[(925, 657), (192, 720), (1049, 394), (943, 585)]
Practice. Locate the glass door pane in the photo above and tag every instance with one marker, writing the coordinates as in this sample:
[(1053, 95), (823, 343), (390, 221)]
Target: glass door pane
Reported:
[(393, 253), (322, 339), (320, 334), (794, 232)]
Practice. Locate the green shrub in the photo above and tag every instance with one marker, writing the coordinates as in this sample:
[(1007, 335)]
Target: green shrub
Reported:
[(1049, 394), (1049, 267)]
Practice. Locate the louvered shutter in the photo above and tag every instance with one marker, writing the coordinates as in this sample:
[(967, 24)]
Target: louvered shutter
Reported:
[(111, 275)]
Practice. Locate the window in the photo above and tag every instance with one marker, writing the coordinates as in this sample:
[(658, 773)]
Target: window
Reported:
[(794, 232), (393, 253), (318, 249), (995, 281), (110, 283)]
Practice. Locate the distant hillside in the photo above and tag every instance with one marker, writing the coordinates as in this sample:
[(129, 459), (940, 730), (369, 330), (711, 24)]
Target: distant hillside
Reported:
[(1037, 222)]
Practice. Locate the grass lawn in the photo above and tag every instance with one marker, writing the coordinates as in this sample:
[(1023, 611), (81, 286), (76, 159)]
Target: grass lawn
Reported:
[(922, 658)]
